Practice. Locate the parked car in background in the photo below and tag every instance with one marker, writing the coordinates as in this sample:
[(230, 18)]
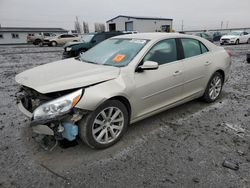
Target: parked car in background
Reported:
[(60, 40), (235, 37), (38, 38), (216, 36), (118, 82), (87, 41), (205, 36)]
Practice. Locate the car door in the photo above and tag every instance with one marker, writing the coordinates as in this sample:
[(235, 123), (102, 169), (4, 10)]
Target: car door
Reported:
[(71, 38), (196, 64), (158, 88), (61, 39)]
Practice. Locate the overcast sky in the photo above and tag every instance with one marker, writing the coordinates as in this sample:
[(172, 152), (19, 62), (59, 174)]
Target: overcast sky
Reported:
[(196, 14)]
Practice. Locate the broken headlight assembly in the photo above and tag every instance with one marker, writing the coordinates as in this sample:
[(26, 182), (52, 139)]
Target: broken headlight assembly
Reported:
[(57, 107)]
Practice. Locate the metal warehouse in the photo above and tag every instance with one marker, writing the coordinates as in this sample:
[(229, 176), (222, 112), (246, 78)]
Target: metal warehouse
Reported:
[(139, 24), (18, 35)]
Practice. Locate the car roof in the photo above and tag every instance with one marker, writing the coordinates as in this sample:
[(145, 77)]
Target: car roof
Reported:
[(153, 36)]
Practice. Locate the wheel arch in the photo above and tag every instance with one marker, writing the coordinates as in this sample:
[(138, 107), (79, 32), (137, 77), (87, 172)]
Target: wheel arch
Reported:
[(125, 101), (222, 73)]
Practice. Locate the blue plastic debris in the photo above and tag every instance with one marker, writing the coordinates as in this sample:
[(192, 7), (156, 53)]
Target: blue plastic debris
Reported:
[(70, 131)]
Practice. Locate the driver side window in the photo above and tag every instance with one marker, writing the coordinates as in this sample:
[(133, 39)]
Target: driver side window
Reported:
[(162, 52)]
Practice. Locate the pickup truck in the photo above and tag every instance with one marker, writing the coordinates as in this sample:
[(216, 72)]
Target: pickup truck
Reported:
[(38, 38)]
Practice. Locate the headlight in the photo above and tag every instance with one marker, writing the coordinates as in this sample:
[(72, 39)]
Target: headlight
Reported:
[(57, 107), (68, 49)]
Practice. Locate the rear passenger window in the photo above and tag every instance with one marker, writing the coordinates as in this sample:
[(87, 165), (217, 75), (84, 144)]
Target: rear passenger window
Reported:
[(163, 52), (191, 47), (203, 48)]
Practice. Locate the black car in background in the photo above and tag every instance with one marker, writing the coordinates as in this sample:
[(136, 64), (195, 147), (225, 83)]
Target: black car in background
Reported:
[(87, 41), (216, 36)]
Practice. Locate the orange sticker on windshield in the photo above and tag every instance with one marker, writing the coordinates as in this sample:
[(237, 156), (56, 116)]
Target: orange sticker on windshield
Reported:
[(118, 58)]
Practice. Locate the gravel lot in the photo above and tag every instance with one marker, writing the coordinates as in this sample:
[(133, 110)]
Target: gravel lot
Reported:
[(181, 147)]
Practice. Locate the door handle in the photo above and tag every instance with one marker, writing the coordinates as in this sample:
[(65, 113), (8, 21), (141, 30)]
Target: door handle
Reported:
[(207, 63), (176, 73)]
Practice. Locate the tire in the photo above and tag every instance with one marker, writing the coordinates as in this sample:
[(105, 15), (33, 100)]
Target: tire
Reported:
[(40, 44), (248, 41), (81, 51), (221, 44), (214, 88), (53, 43), (237, 42), (37, 41), (99, 132)]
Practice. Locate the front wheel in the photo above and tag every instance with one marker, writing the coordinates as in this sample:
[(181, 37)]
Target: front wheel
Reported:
[(214, 88), (248, 41), (237, 42), (105, 126)]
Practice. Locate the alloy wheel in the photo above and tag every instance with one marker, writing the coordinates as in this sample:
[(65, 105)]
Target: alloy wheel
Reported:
[(108, 125), (215, 87)]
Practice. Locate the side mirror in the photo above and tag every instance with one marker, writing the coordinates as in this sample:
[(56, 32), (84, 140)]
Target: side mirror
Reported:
[(148, 65)]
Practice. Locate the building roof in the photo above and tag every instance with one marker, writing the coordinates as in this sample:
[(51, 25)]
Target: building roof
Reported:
[(140, 18), (31, 29)]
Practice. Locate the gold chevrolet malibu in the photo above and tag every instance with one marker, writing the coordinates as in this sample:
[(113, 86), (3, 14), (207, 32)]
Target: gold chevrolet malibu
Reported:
[(118, 82)]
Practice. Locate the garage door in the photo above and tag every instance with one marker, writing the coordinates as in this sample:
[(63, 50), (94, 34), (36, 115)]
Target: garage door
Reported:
[(129, 26)]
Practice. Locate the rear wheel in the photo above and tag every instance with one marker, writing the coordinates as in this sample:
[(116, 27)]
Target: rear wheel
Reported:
[(214, 88), (105, 126), (54, 43)]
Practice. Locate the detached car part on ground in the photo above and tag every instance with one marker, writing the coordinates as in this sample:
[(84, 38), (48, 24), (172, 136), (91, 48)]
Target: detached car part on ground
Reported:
[(235, 37), (87, 41), (118, 82), (37, 39)]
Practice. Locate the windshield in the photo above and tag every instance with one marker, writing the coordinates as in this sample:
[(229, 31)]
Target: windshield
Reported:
[(234, 33), (86, 38), (114, 52)]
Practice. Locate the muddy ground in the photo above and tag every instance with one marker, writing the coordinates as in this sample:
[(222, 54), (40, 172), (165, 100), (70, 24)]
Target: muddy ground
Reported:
[(181, 147)]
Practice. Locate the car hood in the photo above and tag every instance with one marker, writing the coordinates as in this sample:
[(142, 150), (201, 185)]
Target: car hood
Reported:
[(229, 36), (68, 44), (65, 74)]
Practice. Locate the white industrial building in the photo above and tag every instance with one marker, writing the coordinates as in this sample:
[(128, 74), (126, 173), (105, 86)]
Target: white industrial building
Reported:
[(139, 24), (18, 35)]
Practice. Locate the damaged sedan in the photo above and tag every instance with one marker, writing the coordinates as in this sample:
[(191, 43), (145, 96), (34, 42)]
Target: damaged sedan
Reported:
[(120, 81)]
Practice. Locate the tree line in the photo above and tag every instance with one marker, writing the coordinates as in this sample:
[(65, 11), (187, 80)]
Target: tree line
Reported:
[(84, 27)]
